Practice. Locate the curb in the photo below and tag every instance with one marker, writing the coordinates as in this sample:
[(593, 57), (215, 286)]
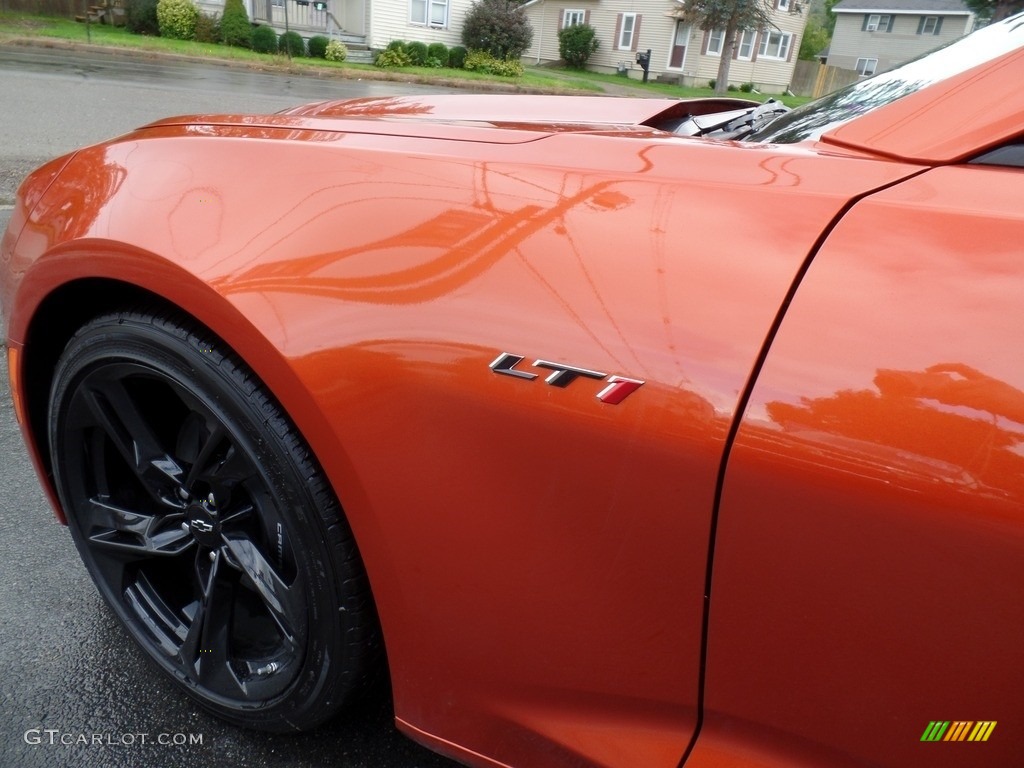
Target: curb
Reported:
[(50, 43)]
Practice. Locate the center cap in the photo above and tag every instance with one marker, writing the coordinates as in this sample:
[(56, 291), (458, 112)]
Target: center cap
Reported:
[(204, 525)]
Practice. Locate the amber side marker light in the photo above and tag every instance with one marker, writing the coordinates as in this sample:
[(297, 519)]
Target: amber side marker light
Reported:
[(961, 730), (14, 374)]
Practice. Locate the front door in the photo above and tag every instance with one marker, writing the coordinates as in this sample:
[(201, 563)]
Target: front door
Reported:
[(682, 34)]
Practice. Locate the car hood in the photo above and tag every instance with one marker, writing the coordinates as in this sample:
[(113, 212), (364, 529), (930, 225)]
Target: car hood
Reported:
[(488, 118), (499, 109)]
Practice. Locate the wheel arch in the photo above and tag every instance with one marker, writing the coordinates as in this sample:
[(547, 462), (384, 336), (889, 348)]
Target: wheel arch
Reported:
[(61, 311), (55, 320), (68, 306)]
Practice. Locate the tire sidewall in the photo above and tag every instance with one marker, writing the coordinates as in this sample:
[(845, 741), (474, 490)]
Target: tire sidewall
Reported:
[(197, 364)]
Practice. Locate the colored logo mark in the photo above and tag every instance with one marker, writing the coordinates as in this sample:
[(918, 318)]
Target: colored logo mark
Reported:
[(958, 730)]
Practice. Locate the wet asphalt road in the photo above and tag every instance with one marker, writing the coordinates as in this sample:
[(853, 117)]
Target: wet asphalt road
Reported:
[(68, 673)]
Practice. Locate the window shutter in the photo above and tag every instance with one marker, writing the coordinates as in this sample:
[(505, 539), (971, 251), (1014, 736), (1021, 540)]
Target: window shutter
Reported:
[(636, 31), (618, 30), (920, 25), (705, 42), (938, 26), (586, 17), (756, 45), (864, 24), (561, 21), (889, 27), (792, 45)]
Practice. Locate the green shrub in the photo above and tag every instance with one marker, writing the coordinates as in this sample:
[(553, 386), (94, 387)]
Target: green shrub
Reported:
[(732, 88), (456, 57), (235, 28), (507, 68), (485, 63), (499, 27), (318, 47), (291, 43), (264, 39), (478, 61), (392, 58), (140, 17), (336, 51), (747, 87), (576, 43), (177, 19), (417, 53), (396, 45), (207, 28), (438, 51), (711, 83)]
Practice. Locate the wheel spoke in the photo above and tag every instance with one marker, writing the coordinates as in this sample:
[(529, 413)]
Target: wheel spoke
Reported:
[(283, 601), (220, 465), (118, 415), (238, 515), (205, 650), (133, 533)]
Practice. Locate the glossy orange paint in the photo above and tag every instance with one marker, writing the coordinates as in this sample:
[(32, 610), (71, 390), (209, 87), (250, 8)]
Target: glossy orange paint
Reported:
[(538, 557), (830, 404), (870, 534), (948, 122)]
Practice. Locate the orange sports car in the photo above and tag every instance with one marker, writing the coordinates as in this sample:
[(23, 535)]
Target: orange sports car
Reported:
[(626, 432)]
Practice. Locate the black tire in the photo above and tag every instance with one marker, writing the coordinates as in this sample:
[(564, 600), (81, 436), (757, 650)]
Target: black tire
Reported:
[(207, 525)]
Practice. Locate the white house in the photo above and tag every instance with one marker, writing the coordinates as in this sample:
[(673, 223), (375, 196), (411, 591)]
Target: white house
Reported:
[(372, 23), (875, 35), (679, 50)]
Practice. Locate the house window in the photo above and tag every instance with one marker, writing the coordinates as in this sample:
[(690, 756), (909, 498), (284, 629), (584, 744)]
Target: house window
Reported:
[(878, 23), (929, 25), (866, 67), (573, 17), (745, 49), (783, 5), (775, 45), (627, 32), (715, 38), (433, 13)]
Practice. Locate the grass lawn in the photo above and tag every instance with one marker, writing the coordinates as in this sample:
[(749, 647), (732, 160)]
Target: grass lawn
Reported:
[(18, 25), (664, 89), (537, 79)]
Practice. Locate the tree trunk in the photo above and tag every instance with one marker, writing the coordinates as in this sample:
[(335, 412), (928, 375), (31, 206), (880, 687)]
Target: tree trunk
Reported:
[(1005, 8), (725, 60)]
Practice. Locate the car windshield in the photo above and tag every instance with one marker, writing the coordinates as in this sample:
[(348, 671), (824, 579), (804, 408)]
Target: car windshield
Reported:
[(812, 120)]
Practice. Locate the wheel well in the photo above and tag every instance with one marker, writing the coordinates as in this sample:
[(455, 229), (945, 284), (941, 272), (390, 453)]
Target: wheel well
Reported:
[(58, 317), (56, 320)]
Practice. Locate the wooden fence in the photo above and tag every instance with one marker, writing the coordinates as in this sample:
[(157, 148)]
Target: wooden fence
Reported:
[(813, 79), (67, 8)]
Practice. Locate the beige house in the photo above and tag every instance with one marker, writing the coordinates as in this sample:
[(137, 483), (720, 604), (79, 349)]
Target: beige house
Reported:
[(679, 51), (875, 35), (361, 23)]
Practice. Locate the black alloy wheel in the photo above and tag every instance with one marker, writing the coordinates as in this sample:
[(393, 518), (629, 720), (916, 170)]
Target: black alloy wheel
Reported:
[(207, 525)]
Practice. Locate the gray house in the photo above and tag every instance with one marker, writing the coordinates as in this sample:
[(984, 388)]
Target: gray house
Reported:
[(875, 35), (679, 50)]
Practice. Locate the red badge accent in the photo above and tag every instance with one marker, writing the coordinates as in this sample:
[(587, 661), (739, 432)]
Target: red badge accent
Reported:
[(618, 389)]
